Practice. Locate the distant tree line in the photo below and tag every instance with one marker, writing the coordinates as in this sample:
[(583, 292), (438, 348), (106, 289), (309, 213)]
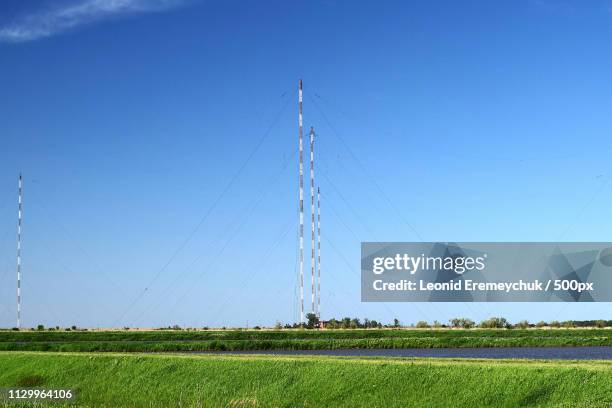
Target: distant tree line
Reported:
[(455, 323), (41, 327), (503, 323), (313, 322)]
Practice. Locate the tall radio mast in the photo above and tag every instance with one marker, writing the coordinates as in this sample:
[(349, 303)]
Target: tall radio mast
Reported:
[(19, 216), (301, 203)]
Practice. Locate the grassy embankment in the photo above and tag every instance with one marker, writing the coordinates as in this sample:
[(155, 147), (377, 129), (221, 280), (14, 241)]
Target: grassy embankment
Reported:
[(218, 340), (116, 380)]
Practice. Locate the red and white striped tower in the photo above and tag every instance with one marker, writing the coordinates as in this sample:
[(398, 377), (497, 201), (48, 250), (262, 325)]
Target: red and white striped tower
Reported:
[(19, 216), (301, 203), (312, 222), (318, 252)]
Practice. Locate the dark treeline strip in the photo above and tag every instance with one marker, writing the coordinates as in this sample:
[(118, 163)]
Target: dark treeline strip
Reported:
[(313, 344), (182, 335)]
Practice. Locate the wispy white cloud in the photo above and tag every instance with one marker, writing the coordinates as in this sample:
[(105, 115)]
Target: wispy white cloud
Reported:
[(77, 13)]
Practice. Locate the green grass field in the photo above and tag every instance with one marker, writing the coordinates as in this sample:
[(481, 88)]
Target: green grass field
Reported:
[(137, 380), (218, 340)]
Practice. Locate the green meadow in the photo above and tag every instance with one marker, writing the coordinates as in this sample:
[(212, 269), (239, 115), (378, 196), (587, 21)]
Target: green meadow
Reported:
[(145, 380)]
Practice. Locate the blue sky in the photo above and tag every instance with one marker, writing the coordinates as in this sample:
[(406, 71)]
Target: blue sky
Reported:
[(470, 121)]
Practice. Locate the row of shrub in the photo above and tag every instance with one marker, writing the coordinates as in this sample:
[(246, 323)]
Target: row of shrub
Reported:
[(356, 323), (503, 323)]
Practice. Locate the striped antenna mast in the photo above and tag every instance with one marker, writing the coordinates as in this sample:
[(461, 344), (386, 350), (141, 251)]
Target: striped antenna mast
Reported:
[(318, 252), (301, 203), (312, 222), (19, 215)]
